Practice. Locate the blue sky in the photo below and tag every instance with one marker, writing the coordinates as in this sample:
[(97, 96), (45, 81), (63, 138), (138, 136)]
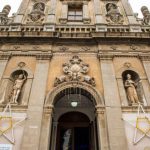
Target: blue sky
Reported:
[(136, 5)]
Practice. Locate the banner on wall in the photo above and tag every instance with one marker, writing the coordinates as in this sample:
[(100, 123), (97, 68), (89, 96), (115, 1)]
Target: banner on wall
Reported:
[(5, 147)]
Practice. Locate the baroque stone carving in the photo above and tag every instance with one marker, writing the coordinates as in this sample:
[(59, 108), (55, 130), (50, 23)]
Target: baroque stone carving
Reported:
[(127, 64), (17, 87), (113, 15), (4, 19), (131, 92), (146, 15), (75, 70), (37, 13)]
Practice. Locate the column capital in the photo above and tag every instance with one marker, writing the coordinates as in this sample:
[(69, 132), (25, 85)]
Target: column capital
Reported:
[(102, 56), (144, 57), (44, 56), (5, 56), (85, 2), (100, 109)]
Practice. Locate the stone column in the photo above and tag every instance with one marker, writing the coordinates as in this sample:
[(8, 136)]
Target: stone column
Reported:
[(3, 62), (86, 18), (54, 133), (115, 126), (146, 89), (46, 129), (100, 21), (102, 132), (122, 92), (64, 13), (50, 22), (32, 130), (134, 25), (4, 57), (21, 11), (146, 64)]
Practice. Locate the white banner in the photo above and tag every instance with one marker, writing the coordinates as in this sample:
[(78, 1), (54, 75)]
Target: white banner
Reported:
[(5, 147)]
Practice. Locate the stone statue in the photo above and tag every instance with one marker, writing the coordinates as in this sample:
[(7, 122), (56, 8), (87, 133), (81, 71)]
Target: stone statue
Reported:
[(130, 86), (146, 15), (67, 139), (4, 15), (17, 87), (113, 14)]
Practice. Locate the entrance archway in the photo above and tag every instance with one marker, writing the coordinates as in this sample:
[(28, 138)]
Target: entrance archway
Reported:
[(89, 101), (74, 132)]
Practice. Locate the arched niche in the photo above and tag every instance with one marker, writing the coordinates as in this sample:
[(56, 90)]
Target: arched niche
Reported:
[(7, 84), (138, 85)]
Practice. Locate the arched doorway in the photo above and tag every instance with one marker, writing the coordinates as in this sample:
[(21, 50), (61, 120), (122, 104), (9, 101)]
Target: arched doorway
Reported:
[(74, 132), (74, 125)]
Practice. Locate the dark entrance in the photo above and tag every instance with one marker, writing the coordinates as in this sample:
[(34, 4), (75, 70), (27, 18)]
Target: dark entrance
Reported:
[(74, 132)]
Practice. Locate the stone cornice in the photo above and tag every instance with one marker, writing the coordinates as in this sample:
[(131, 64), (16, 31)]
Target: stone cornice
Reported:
[(39, 56), (5, 56), (44, 56), (106, 56), (145, 57)]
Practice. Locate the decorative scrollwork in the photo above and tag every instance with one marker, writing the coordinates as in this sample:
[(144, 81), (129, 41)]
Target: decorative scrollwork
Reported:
[(113, 15), (37, 13), (75, 70)]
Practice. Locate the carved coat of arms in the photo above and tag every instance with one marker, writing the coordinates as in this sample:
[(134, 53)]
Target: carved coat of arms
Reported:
[(75, 70)]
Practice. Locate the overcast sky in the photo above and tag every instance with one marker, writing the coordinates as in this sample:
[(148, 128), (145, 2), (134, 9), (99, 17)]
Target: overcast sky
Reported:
[(136, 5)]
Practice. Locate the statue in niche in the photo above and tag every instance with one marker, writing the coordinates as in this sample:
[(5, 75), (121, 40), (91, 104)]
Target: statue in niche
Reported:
[(17, 87), (113, 15), (67, 140), (146, 15), (4, 19), (130, 86), (37, 14)]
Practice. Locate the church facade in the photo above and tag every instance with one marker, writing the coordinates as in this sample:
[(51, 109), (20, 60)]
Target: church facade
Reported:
[(74, 75)]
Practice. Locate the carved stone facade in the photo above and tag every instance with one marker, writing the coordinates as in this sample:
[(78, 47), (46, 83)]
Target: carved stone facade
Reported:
[(75, 68)]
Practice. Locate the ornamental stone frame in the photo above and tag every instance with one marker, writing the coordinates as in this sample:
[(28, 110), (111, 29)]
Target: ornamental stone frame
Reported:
[(99, 106), (66, 3), (99, 101)]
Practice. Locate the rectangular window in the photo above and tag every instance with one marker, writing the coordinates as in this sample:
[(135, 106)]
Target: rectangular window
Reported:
[(75, 14)]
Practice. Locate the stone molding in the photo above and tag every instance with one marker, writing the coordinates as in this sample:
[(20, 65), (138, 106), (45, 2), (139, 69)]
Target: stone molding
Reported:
[(144, 57), (5, 56), (106, 56), (39, 56), (44, 56), (99, 100)]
